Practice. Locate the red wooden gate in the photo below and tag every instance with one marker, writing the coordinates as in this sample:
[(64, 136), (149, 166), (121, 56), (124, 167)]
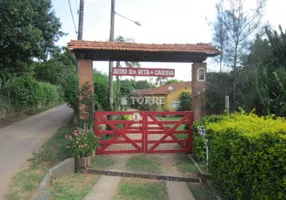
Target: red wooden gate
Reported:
[(151, 132)]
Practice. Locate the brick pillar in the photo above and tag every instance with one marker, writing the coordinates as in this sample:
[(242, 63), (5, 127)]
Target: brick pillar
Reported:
[(198, 90), (85, 73)]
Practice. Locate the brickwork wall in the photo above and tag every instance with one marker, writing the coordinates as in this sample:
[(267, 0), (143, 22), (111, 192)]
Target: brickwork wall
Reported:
[(198, 91), (85, 74)]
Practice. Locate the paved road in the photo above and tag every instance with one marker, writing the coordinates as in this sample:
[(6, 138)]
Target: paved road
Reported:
[(18, 141)]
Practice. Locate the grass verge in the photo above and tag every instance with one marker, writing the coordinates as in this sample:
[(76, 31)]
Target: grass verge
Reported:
[(25, 182), (142, 163), (101, 161), (130, 189), (185, 165), (72, 187), (201, 192)]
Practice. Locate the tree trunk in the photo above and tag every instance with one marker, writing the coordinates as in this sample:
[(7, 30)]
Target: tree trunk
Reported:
[(234, 79)]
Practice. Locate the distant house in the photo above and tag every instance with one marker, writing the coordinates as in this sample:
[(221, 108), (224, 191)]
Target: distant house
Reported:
[(167, 96)]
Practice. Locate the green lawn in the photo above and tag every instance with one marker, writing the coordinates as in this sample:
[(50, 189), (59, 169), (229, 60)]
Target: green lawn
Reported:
[(72, 187), (141, 190), (101, 161), (26, 182), (142, 163), (185, 164), (180, 128)]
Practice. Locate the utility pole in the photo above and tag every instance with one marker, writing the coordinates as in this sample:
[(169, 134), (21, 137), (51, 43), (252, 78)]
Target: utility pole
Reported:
[(80, 24), (80, 20), (111, 39)]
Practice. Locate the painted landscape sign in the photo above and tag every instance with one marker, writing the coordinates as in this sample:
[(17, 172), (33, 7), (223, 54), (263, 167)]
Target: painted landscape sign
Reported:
[(158, 72)]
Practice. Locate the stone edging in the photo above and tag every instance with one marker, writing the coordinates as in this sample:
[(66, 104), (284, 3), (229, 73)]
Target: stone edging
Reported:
[(63, 168), (143, 175)]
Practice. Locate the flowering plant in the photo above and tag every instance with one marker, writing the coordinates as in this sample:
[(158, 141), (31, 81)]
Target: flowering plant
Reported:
[(82, 142)]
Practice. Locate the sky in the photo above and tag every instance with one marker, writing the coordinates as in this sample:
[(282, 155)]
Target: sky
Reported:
[(163, 21)]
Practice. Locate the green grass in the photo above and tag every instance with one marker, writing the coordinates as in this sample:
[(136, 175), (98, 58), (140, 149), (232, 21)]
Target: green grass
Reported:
[(26, 182), (201, 192), (101, 161), (72, 187), (142, 163), (131, 190), (185, 164), (181, 127)]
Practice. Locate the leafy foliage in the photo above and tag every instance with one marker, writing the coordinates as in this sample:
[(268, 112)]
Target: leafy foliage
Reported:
[(172, 81), (71, 91), (260, 83), (57, 69), (82, 142), (186, 102), (143, 85), (25, 93), (86, 103), (28, 30), (100, 90), (248, 156)]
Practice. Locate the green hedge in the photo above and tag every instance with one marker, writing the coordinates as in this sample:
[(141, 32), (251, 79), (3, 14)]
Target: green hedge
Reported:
[(24, 93), (198, 142), (248, 156)]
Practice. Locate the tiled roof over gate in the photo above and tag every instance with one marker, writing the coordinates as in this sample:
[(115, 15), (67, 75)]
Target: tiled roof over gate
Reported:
[(122, 46)]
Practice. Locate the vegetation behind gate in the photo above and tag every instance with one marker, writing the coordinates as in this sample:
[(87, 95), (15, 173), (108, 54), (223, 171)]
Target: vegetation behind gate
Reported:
[(248, 155)]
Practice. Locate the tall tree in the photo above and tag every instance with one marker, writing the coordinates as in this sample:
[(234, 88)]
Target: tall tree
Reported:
[(239, 25), (130, 64), (56, 69), (28, 31)]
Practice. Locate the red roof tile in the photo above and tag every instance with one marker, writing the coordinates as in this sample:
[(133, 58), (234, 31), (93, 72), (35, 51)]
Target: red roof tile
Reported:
[(122, 46), (163, 90)]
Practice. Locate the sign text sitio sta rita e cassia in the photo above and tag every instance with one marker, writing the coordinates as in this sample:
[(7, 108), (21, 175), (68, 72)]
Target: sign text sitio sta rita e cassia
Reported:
[(143, 72)]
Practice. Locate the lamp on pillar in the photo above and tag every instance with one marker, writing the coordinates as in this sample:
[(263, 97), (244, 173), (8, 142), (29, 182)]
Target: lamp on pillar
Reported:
[(199, 87)]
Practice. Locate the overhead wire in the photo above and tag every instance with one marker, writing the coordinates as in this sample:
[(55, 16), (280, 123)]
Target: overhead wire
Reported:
[(72, 17)]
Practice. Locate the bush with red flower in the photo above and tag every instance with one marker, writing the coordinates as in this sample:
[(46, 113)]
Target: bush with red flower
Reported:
[(82, 142)]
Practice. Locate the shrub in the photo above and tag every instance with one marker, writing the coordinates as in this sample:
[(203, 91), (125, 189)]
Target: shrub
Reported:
[(198, 142), (25, 92), (248, 156), (82, 142), (71, 92), (147, 107), (186, 102)]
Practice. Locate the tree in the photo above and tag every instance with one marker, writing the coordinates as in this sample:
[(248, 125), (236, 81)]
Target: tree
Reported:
[(239, 25), (186, 102), (143, 85), (160, 80), (55, 70), (28, 30), (130, 64), (172, 81), (100, 90)]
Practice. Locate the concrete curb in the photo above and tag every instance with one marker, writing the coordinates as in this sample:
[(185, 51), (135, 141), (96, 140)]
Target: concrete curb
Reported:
[(205, 177), (203, 174), (62, 169)]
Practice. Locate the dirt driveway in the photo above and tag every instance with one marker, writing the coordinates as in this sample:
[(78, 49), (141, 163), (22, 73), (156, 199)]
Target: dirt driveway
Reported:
[(18, 141)]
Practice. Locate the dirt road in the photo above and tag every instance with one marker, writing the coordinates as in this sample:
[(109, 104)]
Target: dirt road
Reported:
[(18, 141)]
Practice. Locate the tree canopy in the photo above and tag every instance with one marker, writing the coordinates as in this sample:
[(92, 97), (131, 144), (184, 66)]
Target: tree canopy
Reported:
[(28, 31)]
